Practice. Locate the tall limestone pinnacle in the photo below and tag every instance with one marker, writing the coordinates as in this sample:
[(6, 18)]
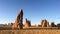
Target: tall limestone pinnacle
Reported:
[(19, 20)]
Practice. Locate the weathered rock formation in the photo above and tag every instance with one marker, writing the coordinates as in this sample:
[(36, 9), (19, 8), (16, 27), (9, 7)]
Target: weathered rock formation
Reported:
[(44, 23), (27, 23), (58, 25), (19, 21), (52, 24)]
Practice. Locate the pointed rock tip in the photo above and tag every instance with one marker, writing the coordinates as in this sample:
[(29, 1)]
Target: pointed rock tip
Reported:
[(21, 10)]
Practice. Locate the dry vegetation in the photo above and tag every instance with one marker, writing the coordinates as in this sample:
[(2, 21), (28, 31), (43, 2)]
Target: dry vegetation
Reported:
[(34, 31)]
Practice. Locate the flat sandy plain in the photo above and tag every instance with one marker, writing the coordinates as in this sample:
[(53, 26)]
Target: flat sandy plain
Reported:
[(32, 31)]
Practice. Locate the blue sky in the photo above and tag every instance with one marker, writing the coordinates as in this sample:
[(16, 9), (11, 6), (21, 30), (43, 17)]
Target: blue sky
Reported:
[(34, 10)]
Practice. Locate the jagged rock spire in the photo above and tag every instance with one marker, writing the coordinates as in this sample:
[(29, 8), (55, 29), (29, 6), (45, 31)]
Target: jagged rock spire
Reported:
[(19, 20)]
